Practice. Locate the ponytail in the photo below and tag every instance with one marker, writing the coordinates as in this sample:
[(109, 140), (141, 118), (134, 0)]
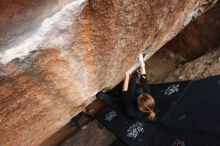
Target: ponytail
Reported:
[(146, 104)]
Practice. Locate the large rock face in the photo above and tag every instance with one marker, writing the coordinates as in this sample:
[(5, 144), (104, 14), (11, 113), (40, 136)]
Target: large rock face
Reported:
[(50, 74)]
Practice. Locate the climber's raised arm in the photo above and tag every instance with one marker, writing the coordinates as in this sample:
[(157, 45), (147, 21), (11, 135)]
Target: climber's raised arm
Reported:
[(126, 81), (142, 64)]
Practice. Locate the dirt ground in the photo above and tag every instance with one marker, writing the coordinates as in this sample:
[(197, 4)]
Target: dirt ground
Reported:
[(167, 66), (90, 135), (162, 64)]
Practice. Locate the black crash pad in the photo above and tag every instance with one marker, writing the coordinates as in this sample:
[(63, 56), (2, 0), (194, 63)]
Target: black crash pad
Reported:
[(188, 114)]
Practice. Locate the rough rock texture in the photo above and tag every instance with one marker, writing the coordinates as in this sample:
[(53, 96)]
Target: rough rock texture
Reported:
[(200, 36), (83, 48), (21, 16)]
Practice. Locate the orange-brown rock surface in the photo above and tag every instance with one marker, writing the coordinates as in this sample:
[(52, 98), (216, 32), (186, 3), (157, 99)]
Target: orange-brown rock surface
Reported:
[(21, 16), (48, 75)]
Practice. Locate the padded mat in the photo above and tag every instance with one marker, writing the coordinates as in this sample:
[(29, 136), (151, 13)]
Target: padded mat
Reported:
[(182, 106)]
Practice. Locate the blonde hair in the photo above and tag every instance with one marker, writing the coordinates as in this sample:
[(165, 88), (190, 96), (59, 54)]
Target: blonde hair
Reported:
[(146, 104)]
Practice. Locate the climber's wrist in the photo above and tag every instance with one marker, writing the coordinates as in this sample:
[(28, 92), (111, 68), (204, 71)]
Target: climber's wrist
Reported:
[(143, 70)]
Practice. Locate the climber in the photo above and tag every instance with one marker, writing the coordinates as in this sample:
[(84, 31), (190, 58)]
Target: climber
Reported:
[(142, 99), (136, 102)]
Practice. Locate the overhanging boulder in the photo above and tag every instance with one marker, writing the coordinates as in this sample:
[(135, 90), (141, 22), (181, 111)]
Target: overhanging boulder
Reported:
[(48, 75)]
